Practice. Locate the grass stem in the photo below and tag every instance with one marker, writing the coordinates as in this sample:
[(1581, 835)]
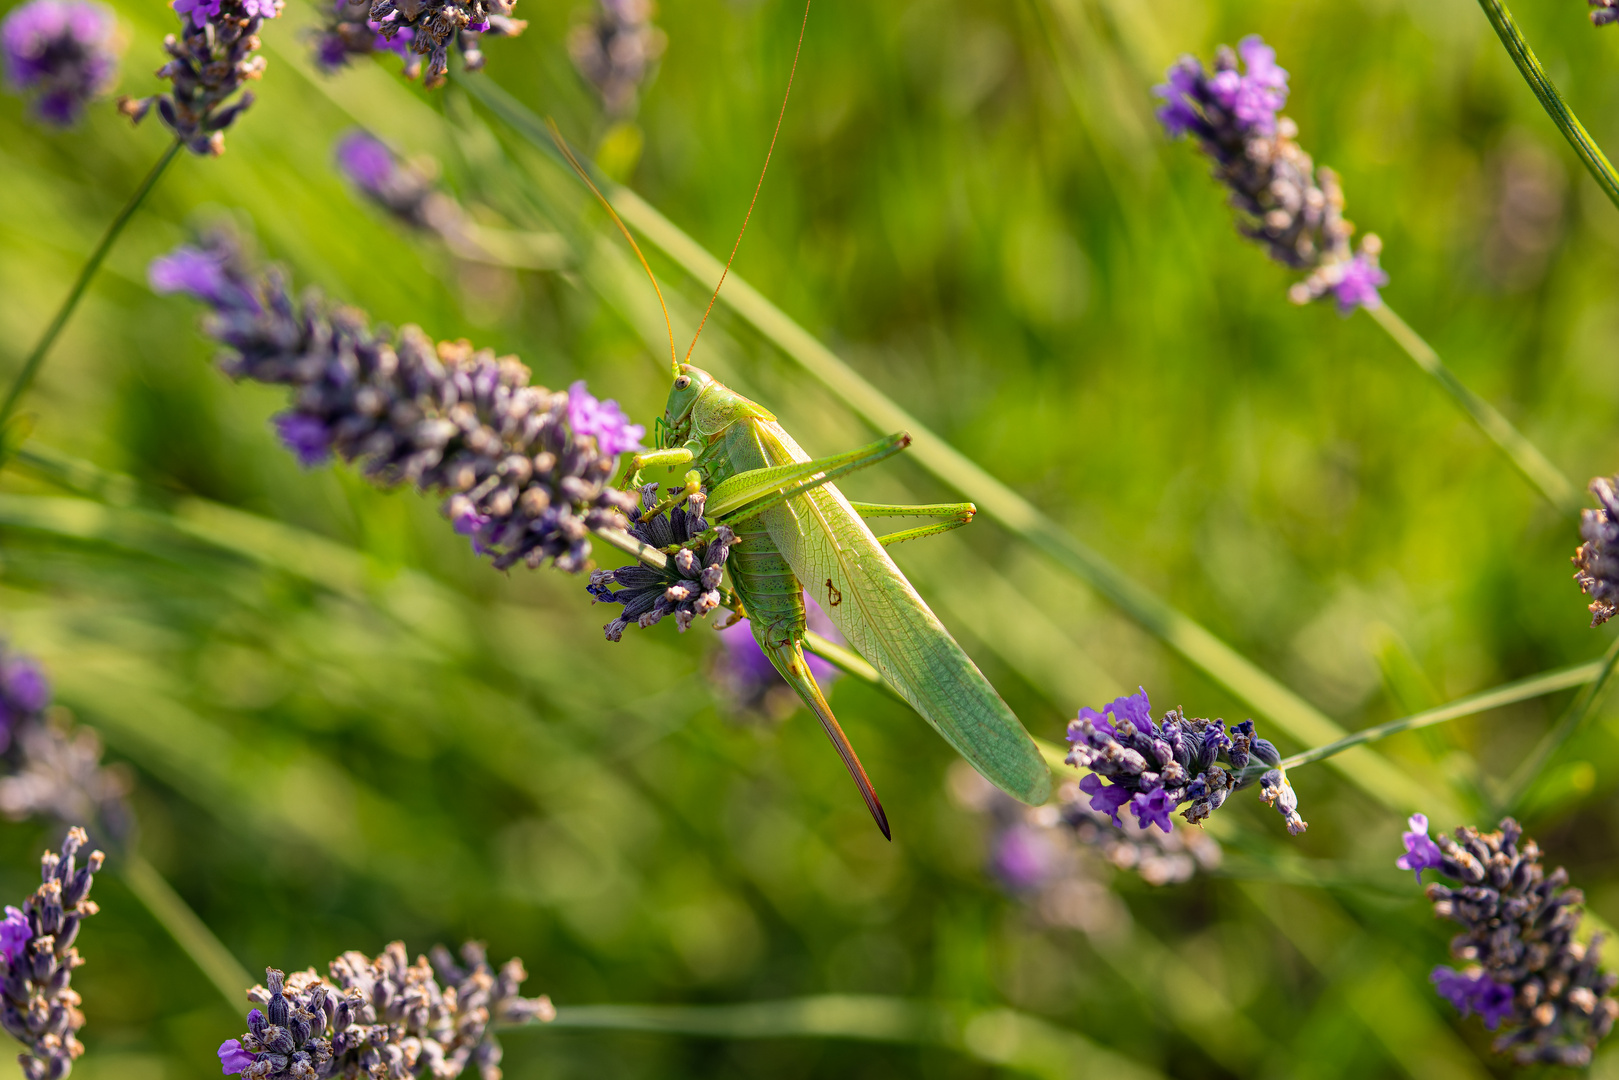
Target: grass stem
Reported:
[(189, 932), (36, 357), (1596, 162), (1523, 454), (1523, 690)]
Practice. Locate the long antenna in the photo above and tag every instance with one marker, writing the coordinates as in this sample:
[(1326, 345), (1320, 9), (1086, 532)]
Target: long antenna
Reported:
[(798, 49), (562, 145)]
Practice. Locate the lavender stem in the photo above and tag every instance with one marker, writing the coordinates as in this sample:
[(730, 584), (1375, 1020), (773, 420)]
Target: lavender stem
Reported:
[(1524, 455), (1524, 777), (1523, 690), (1506, 28), (36, 358)]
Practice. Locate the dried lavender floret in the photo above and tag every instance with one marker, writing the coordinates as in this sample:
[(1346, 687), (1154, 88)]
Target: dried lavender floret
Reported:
[(519, 479), (1155, 768), (1524, 967), (615, 50), (688, 588), (435, 25), (1288, 205), (1597, 560), (38, 1005), (1607, 11), (61, 53), (383, 1017), (49, 768), (211, 60)]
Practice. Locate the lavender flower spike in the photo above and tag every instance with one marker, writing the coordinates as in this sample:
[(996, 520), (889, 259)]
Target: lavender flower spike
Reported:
[(1607, 11), (688, 588), (210, 62), (1525, 968), (61, 53), (1597, 560), (48, 768), (38, 1006), (1421, 853), (517, 479), (384, 1017), (1154, 768), (1294, 209)]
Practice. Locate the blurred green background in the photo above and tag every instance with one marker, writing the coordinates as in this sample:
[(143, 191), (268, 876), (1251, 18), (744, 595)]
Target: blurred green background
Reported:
[(361, 733)]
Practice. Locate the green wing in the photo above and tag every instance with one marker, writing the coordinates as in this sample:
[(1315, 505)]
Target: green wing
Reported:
[(848, 573)]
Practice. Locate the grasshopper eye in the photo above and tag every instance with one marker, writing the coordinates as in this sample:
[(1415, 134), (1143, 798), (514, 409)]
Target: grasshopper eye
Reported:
[(682, 382)]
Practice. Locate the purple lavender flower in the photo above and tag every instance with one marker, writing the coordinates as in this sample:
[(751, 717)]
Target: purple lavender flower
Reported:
[(211, 60), (1474, 993), (349, 31), (384, 1017), (196, 273), (604, 420), (1597, 560), (1527, 968), (1152, 808), (306, 436), (1155, 767), (232, 1058), (1294, 209), (1105, 798), (615, 51), (1358, 284), (15, 933), (200, 10), (23, 684), (1421, 853), (443, 416), (1607, 11), (61, 53), (38, 1006), (365, 159)]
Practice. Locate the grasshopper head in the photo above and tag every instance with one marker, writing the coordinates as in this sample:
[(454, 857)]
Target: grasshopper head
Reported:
[(689, 386)]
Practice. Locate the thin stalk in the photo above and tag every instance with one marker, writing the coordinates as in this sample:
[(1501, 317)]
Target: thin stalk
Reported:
[(1522, 690), (1268, 698), (1523, 454), (36, 358), (1526, 773), (189, 932), (1596, 162)]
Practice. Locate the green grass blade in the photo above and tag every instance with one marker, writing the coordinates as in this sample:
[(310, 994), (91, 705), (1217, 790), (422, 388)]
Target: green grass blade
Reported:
[(995, 1036)]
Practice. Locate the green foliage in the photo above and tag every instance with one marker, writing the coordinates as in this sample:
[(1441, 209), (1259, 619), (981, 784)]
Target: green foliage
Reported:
[(347, 730)]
